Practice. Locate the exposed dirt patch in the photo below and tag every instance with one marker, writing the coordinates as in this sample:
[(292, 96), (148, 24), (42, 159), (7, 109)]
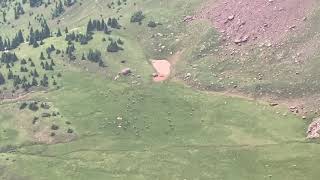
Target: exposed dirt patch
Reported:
[(45, 136), (163, 69), (249, 21)]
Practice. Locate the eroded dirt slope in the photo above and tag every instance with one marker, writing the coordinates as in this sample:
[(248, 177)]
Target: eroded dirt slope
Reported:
[(256, 20)]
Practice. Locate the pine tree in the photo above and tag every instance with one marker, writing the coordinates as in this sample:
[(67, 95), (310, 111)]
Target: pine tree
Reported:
[(59, 33), (101, 63), (32, 38), (46, 66), (16, 15), (58, 9), (66, 30), (1, 44), (20, 9), (42, 56), (23, 61), (35, 73), (109, 22), (106, 30), (119, 41), (45, 30), (83, 57), (90, 27), (44, 82), (103, 25), (35, 44), (34, 82), (52, 63), (115, 24), (2, 80), (4, 16), (20, 36)]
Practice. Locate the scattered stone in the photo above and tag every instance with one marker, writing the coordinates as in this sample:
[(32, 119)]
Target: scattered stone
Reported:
[(45, 115), (187, 76), (292, 27), (154, 75), (230, 18), (159, 34), (237, 41), (313, 129), (269, 21), (126, 71), (188, 18), (117, 77), (273, 104)]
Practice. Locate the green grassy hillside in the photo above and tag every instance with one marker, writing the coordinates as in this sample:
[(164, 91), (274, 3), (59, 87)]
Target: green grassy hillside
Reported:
[(85, 121)]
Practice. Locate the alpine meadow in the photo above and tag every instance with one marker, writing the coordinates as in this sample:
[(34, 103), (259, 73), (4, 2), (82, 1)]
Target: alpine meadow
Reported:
[(159, 89)]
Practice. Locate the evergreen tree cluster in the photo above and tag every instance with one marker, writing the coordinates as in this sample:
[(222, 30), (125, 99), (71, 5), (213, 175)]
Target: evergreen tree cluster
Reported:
[(114, 46), (58, 10), (6, 44), (47, 66), (35, 3), (83, 39), (35, 36), (70, 49), (27, 77), (21, 81), (18, 10), (50, 49), (8, 58), (95, 56), (113, 23), (97, 25), (59, 7), (69, 3)]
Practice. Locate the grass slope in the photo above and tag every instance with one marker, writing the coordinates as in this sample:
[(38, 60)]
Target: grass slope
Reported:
[(167, 130)]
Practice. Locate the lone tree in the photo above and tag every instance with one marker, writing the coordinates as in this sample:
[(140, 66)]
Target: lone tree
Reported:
[(2, 80), (59, 33), (42, 56)]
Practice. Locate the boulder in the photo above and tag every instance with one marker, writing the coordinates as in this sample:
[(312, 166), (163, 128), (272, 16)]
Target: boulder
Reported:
[(126, 71)]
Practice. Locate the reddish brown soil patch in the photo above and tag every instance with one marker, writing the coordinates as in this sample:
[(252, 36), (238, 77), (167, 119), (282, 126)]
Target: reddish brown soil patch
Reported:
[(256, 20), (163, 69)]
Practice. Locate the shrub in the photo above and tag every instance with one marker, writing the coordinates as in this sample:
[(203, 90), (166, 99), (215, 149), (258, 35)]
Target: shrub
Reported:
[(23, 106), (54, 127), (152, 24), (70, 131), (33, 106), (137, 17)]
